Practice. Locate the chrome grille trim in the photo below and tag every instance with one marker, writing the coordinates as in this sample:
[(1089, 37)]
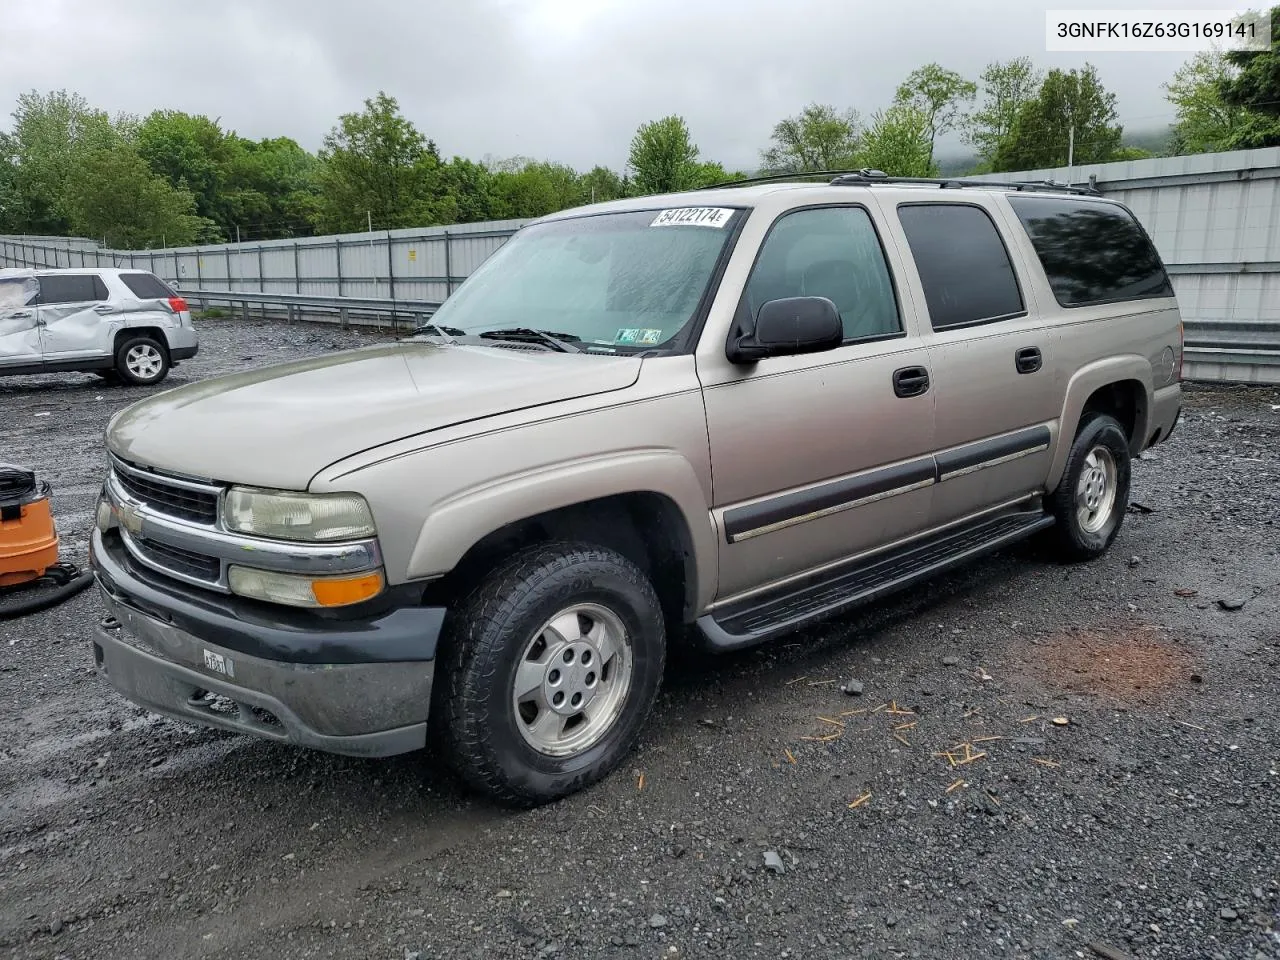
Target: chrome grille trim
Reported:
[(173, 480), (140, 554), (190, 500), (217, 545)]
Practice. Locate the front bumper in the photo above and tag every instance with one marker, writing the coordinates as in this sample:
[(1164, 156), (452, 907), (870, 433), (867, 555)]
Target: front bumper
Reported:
[(357, 685)]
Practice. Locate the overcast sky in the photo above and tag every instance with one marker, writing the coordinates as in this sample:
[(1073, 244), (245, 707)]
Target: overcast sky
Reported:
[(566, 80)]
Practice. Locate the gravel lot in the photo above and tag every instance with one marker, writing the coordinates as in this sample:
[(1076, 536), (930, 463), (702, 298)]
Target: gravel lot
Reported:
[(1124, 792)]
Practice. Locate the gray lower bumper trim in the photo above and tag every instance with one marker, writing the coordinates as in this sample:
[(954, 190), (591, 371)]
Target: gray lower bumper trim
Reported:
[(366, 710)]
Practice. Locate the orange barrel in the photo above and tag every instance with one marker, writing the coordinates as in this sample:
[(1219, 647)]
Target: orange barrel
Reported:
[(28, 536)]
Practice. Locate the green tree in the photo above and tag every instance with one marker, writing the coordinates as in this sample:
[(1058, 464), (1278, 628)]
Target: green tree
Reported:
[(113, 193), (663, 157), (600, 184), (820, 137), (470, 193), (1074, 115), (1255, 86), (51, 134), (8, 194), (1007, 88), (530, 188), (940, 95), (268, 188), (186, 150), (1206, 121), (897, 143), (375, 164)]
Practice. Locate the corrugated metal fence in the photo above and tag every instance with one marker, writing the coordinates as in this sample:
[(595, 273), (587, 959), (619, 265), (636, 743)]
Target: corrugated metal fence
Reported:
[(423, 263), (1215, 219)]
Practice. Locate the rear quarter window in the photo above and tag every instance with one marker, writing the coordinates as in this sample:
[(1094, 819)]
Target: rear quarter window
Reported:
[(1092, 251), (146, 286)]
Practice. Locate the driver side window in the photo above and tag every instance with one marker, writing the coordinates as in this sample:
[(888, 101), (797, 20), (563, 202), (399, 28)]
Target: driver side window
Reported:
[(830, 252)]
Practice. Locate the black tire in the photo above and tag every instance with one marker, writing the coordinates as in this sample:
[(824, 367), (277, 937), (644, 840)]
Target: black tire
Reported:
[(156, 353), (1073, 538), (487, 639)]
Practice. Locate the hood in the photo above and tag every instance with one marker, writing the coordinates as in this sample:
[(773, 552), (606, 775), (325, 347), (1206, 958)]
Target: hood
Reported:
[(280, 425)]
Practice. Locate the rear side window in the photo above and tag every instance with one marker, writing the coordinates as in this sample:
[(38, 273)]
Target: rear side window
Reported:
[(146, 286), (1092, 252), (964, 266), (71, 288)]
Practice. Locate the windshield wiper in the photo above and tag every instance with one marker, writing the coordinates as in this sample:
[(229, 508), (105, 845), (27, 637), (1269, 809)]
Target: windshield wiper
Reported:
[(557, 341), (446, 333)]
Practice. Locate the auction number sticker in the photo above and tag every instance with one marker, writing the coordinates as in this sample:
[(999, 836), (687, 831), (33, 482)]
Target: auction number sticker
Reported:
[(693, 217), (219, 664)]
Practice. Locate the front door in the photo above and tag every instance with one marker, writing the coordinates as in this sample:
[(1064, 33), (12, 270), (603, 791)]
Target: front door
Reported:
[(820, 457), (73, 316), (991, 358), (19, 332)]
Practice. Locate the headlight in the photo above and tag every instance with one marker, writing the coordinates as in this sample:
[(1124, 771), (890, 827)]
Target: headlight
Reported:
[(298, 516), (299, 591)]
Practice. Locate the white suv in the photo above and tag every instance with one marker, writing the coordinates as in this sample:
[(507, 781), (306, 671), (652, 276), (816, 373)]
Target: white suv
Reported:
[(126, 325)]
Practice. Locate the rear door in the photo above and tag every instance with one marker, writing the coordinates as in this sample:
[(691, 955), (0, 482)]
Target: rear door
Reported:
[(74, 316), (996, 400)]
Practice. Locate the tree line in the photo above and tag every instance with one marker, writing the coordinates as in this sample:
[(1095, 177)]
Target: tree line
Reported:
[(173, 178)]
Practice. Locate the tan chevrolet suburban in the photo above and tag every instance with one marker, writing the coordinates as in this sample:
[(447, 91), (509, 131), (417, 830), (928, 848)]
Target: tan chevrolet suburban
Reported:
[(712, 418)]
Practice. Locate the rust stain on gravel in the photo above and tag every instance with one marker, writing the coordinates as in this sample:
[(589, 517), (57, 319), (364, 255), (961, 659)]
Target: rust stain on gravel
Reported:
[(1134, 664)]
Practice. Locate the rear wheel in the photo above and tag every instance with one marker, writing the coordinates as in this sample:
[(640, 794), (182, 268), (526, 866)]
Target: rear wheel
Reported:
[(1093, 495), (550, 669), (142, 361)]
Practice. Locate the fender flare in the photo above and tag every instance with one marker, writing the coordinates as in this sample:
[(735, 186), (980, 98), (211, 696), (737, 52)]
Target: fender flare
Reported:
[(1082, 385), (462, 520)]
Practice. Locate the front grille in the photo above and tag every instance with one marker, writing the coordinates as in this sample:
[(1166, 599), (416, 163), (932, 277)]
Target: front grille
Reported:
[(175, 560), (198, 506)]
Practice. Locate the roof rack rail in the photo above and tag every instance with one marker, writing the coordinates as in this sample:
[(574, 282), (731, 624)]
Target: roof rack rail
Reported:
[(869, 177), (781, 177)]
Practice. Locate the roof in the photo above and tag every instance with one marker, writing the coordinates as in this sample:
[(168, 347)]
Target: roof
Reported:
[(785, 192), (100, 271)]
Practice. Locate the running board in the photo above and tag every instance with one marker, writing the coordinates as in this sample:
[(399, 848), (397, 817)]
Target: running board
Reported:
[(779, 611)]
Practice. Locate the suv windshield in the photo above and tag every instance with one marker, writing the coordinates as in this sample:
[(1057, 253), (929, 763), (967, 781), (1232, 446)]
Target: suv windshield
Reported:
[(613, 282)]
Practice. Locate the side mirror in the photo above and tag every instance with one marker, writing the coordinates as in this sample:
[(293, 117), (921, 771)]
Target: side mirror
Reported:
[(790, 326)]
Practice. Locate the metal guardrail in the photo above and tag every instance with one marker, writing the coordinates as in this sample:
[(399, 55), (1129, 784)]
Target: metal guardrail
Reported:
[(299, 306), (1214, 349), (1232, 352)]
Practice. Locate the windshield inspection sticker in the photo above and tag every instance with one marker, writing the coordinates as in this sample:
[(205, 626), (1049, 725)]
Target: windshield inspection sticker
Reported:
[(638, 335), (693, 217)]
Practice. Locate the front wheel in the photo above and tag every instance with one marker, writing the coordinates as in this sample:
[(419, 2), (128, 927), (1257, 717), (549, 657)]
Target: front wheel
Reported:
[(550, 669), (1093, 495)]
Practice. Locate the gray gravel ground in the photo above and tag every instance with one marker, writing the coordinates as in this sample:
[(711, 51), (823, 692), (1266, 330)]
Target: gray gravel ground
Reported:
[(1125, 790)]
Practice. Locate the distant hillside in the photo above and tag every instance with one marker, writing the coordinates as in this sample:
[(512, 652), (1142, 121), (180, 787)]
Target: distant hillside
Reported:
[(1158, 141), (1154, 140)]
